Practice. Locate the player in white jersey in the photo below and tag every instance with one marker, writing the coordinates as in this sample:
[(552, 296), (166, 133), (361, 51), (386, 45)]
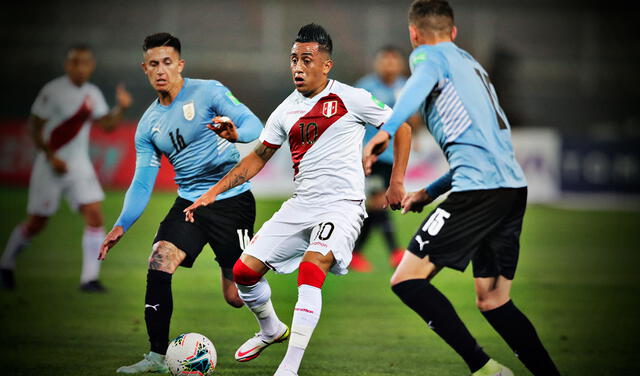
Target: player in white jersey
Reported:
[(60, 121), (314, 231)]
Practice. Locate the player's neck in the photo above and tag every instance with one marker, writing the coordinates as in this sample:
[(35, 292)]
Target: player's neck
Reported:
[(317, 91), (167, 97)]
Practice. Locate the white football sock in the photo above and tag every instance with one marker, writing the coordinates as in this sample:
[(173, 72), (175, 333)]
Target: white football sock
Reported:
[(305, 319), (91, 241), (16, 243), (258, 298)]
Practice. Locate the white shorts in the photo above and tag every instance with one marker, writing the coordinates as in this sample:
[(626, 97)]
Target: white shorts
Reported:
[(79, 185), (298, 228)]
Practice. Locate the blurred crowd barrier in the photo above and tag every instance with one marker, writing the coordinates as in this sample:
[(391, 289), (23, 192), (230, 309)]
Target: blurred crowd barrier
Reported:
[(554, 165)]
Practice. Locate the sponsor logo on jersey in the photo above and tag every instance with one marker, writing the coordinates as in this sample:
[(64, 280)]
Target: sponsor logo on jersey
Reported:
[(189, 111), (329, 108)]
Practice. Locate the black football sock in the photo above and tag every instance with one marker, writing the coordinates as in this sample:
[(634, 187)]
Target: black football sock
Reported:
[(516, 329), (436, 310), (387, 230), (364, 234), (157, 309)]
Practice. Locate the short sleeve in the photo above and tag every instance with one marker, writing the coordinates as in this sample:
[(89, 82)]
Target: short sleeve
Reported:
[(44, 104), (100, 106), (428, 56), (273, 135), (368, 108), (146, 153)]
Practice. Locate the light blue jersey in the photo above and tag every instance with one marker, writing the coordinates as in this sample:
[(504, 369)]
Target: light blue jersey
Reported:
[(387, 95), (461, 110), (199, 157)]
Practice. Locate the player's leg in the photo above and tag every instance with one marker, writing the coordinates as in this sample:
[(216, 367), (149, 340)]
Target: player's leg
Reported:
[(177, 243), (229, 288), (18, 240), (255, 292), (494, 267), (91, 240), (311, 275), (359, 263)]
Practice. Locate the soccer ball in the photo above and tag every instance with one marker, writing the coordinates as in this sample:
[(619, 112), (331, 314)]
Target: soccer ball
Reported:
[(191, 354)]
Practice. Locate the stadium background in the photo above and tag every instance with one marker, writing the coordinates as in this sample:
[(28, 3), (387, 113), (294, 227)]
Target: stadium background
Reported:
[(565, 73)]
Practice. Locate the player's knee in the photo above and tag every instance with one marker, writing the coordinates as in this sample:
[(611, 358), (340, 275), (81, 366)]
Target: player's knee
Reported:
[(233, 299), (310, 274), (244, 275), (489, 302), (93, 216), (34, 226), (165, 257)]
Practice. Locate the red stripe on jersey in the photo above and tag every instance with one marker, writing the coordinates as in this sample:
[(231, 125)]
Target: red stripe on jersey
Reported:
[(311, 126), (69, 128), (270, 145)]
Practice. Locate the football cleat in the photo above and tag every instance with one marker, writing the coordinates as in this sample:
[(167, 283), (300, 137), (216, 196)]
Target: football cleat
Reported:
[(8, 279), (151, 362), (92, 286), (252, 348), (493, 368), (360, 264)]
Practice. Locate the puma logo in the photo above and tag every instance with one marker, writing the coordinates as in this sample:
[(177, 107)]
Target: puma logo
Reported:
[(421, 242), (155, 307)]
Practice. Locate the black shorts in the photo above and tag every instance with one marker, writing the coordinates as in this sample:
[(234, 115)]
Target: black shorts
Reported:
[(480, 226), (227, 225), (378, 180)]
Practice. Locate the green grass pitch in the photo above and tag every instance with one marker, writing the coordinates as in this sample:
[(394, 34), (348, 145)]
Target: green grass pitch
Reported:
[(577, 281)]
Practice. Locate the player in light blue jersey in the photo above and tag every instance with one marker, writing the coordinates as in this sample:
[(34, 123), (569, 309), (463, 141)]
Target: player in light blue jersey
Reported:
[(481, 220), (385, 84), (193, 123)]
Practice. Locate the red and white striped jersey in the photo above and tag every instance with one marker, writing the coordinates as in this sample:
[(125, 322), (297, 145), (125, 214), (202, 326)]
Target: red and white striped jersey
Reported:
[(69, 111), (325, 136)]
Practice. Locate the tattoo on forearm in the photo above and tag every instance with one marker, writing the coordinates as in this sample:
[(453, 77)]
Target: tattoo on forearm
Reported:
[(264, 152), (236, 178)]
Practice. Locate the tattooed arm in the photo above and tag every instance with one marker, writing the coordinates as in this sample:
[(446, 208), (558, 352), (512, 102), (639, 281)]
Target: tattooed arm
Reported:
[(247, 168)]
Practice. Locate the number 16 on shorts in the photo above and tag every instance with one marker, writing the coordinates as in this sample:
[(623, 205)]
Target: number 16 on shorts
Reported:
[(432, 226)]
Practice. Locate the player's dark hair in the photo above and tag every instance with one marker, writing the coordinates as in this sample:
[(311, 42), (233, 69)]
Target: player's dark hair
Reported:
[(391, 49), (161, 40), (433, 15), (79, 47), (315, 33)]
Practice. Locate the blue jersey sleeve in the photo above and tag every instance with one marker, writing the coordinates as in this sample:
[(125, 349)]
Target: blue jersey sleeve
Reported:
[(139, 192), (427, 69), (441, 185), (226, 104)]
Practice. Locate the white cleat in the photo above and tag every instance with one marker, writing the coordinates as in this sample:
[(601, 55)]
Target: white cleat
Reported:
[(255, 345), (151, 362)]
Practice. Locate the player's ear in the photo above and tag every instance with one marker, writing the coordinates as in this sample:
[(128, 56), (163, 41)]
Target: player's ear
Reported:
[(144, 67), (326, 67), (180, 65), (413, 35), (454, 33)]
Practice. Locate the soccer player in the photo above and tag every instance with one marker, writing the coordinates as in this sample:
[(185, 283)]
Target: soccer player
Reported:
[(59, 125), (193, 123), (385, 83), (481, 220), (315, 230)]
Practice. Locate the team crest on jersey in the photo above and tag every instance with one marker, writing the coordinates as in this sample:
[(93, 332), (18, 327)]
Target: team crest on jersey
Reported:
[(329, 108), (189, 111)]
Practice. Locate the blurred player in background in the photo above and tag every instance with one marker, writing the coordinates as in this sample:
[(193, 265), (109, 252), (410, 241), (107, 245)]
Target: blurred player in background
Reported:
[(481, 220), (60, 121), (385, 84), (316, 229), (193, 124)]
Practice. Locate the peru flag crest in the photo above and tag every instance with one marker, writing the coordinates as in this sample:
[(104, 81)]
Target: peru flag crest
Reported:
[(329, 108)]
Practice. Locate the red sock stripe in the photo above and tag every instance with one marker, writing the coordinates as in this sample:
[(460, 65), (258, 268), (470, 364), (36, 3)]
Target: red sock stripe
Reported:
[(310, 274), (244, 275)]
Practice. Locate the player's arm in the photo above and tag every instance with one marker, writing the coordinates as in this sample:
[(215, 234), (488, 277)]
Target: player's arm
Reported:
[(401, 149), (36, 125), (246, 169), (109, 121), (238, 124)]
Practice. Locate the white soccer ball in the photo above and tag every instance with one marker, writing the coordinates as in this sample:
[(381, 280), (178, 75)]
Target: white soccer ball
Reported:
[(191, 354)]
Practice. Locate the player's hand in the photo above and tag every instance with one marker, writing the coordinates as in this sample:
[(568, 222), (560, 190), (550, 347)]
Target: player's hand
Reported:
[(224, 127), (59, 166), (204, 200), (374, 147), (110, 240), (394, 196), (415, 201), (123, 97)]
